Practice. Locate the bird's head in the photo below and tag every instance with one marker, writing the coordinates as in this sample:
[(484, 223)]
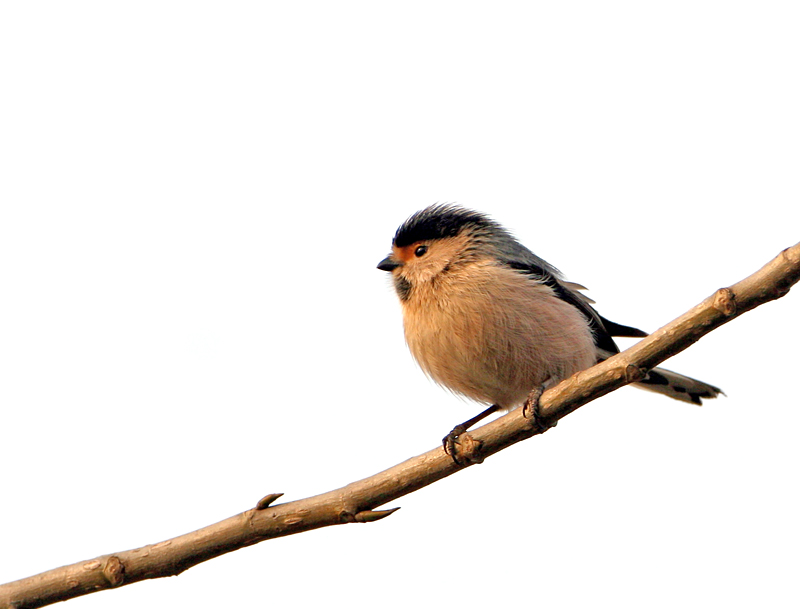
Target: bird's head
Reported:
[(438, 240)]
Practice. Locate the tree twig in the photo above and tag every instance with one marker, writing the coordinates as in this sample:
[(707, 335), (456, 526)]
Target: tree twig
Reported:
[(357, 501)]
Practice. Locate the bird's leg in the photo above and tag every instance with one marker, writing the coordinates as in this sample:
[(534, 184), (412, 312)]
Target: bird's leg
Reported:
[(449, 441), (530, 410)]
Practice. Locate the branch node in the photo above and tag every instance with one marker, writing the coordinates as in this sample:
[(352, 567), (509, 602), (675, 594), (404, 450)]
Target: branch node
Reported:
[(725, 302), (373, 515), (265, 502), (114, 571), (634, 373), (467, 450), (791, 255)]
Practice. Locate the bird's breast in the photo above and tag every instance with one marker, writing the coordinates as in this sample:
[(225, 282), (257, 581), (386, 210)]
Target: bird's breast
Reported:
[(493, 335)]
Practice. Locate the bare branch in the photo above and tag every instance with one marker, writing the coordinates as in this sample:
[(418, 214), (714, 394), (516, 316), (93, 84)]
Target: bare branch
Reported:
[(356, 502)]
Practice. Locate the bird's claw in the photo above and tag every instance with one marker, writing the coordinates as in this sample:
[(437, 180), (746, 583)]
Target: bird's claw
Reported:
[(462, 447), (468, 447), (449, 442), (530, 410)]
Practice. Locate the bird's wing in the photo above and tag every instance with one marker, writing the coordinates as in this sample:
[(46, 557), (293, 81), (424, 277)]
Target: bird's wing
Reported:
[(602, 328)]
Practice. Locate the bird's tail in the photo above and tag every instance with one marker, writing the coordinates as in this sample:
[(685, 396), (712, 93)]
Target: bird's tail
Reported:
[(677, 386)]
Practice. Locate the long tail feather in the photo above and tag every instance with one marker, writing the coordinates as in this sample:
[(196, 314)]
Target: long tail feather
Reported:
[(677, 386)]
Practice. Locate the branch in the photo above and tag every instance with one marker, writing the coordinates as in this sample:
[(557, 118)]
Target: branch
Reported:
[(356, 502)]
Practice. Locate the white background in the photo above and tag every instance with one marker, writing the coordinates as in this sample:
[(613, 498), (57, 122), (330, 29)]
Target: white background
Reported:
[(194, 198)]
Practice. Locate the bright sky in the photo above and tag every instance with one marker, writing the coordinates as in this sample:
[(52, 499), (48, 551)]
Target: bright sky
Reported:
[(194, 197)]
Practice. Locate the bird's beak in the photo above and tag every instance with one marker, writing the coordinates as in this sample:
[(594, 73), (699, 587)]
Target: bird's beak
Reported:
[(388, 264)]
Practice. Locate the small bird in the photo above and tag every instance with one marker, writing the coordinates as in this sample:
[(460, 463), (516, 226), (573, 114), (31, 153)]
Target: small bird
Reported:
[(489, 320)]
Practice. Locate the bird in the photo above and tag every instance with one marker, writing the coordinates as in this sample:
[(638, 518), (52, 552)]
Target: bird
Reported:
[(488, 319)]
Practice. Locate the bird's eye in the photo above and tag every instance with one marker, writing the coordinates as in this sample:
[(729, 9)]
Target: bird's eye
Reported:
[(420, 251)]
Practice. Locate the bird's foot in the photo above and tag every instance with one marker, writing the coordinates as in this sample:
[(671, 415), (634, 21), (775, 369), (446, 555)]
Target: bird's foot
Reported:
[(461, 446), (530, 410)]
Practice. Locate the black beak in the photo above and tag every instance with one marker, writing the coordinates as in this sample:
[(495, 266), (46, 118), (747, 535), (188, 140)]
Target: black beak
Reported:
[(388, 264)]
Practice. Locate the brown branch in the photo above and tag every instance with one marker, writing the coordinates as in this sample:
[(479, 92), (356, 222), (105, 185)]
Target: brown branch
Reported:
[(356, 502)]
